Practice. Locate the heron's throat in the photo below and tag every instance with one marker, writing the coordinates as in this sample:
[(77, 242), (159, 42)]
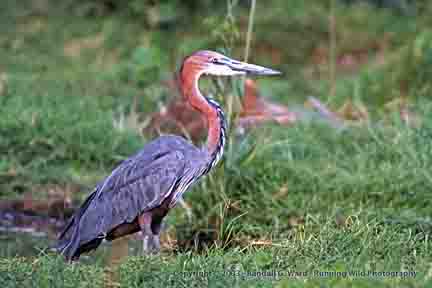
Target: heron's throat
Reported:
[(213, 113)]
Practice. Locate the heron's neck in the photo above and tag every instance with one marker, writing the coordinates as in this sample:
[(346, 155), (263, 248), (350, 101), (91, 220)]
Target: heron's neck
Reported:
[(215, 117)]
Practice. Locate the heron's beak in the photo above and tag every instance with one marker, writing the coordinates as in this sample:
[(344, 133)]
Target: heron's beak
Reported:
[(251, 68)]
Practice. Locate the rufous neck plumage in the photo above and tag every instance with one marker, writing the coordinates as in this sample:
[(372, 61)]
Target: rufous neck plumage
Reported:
[(211, 110)]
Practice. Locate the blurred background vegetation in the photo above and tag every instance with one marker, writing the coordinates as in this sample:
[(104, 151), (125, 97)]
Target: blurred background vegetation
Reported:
[(79, 78)]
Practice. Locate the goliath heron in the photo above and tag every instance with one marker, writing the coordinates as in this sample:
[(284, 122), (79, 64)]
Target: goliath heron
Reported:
[(143, 188)]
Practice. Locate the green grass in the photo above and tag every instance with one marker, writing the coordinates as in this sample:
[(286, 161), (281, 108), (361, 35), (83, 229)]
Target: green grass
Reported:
[(48, 272), (303, 198), (235, 268)]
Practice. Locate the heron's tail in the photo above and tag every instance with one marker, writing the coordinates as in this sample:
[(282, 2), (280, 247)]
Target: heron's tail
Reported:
[(69, 239), (71, 247), (68, 244)]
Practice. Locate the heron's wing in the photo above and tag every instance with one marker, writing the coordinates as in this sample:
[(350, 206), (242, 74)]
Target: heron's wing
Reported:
[(138, 184), (138, 187)]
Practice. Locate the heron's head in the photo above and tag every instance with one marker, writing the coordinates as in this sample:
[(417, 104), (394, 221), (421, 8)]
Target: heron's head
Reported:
[(213, 63)]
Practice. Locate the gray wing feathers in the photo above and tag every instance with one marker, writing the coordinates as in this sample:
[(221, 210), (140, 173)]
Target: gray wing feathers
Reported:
[(138, 184), (133, 190)]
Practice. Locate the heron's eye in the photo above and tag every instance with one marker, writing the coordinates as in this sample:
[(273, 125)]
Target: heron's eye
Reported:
[(214, 60)]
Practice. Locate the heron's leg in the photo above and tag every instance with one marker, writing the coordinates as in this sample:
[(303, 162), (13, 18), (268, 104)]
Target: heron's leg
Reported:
[(151, 244), (146, 244), (156, 227), (151, 241), (155, 243)]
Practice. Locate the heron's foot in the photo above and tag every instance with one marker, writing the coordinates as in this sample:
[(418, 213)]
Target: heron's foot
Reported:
[(151, 244)]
